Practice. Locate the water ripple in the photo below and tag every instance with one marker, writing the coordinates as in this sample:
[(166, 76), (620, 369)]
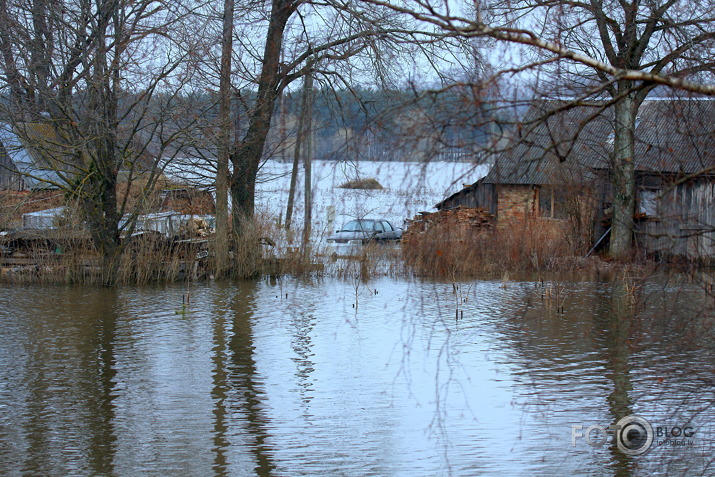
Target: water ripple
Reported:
[(318, 377)]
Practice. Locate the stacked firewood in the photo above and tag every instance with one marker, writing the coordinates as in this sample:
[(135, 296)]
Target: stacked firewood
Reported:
[(456, 222)]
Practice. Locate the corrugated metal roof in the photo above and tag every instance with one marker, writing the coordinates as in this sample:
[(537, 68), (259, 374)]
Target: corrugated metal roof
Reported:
[(42, 219), (558, 143)]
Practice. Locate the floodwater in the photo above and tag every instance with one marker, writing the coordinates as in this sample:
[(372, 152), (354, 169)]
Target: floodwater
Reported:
[(409, 187), (341, 377)]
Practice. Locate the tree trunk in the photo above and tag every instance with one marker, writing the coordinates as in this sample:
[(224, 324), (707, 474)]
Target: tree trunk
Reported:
[(247, 157), (101, 202), (623, 178), (224, 140), (308, 155), (296, 160), (243, 195), (99, 207)]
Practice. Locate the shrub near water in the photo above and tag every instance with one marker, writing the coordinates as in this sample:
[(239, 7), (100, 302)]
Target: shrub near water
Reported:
[(445, 251)]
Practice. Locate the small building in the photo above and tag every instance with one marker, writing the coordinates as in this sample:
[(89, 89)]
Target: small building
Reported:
[(32, 157), (675, 175), (558, 163), (43, 219)]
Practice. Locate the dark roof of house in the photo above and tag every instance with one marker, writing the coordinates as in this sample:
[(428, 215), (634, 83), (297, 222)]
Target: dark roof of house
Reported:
[(558, 143), (555, 143)]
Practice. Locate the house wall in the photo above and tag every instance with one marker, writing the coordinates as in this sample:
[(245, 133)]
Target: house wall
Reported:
[(684, 225), (516, 202)]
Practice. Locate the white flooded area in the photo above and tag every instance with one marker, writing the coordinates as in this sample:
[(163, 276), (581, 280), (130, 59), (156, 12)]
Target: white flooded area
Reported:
[(408, 188)]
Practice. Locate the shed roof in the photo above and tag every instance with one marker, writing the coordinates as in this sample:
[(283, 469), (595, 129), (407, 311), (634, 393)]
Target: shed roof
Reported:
[(555, 143), (676, 136), (36, 151)]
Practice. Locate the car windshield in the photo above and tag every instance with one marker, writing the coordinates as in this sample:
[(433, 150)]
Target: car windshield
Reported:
[(359, 226)]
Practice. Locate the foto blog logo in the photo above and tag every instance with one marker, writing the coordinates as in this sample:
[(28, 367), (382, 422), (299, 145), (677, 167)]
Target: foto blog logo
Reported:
[(633, 435)]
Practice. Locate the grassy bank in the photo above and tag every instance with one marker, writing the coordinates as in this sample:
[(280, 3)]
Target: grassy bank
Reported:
[(67, 256)]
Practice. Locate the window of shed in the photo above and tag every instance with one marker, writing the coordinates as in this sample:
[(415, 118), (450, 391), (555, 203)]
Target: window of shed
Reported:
[(546, 196), (648, 203), (561, 203), (553, 203)]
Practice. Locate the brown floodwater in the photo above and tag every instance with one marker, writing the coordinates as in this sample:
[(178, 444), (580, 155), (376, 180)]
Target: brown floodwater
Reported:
[(340, 377)]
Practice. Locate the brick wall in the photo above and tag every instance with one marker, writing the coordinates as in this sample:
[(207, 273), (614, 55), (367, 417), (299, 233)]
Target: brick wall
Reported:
[(516, 202)]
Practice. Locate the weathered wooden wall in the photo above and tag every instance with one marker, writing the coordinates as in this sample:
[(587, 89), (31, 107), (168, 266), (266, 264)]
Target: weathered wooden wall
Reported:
[(9, 177), (477, 195), (685, 222)]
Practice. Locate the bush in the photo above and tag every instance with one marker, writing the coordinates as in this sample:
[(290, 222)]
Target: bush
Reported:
[(370, 183)]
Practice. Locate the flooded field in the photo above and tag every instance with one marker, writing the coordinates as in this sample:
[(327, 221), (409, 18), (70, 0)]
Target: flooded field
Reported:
[(340, 377), (408, 188)]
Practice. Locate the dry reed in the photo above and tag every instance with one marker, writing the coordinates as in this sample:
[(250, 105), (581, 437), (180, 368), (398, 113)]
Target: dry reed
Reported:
[(449, 252)]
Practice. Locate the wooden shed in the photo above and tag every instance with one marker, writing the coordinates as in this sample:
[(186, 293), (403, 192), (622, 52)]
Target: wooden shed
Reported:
[(675, 169), (551, 170), (557, 167)]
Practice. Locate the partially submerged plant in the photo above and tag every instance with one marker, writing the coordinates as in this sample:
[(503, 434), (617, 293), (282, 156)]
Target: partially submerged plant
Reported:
[(450, 250), (369, 184)]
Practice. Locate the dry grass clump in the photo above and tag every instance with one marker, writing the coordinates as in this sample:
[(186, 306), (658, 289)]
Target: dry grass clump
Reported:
[(369, 184), (43, 256), (68, 256), (365, 262), (151, 257), (247, 250), (530, 245), (264, 248)]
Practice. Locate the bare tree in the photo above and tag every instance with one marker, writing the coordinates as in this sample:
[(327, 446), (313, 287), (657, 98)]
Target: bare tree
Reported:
[(81, 70), (308, 160), (297, 151), (224, 140), (330, 34)]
